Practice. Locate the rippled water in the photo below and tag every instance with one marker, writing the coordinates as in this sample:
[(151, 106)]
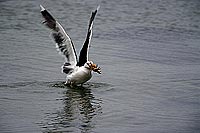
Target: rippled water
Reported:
[(149, 52)]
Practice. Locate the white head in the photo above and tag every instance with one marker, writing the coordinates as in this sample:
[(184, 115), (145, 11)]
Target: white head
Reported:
[(93, 67)]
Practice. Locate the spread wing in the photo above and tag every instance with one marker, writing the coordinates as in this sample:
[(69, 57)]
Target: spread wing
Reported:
[(83, 57), (62, 40)]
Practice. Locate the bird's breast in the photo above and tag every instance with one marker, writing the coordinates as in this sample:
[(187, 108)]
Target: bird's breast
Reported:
[(81, 76)]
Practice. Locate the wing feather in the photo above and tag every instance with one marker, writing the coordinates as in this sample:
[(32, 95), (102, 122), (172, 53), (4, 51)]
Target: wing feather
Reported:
[(83, 57), (62, 40)]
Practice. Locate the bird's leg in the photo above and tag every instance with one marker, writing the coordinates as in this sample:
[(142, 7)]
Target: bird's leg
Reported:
[(71, 84), (66, 83)]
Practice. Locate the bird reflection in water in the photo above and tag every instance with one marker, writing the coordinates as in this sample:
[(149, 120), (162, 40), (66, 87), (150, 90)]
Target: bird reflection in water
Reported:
[(79, 111)]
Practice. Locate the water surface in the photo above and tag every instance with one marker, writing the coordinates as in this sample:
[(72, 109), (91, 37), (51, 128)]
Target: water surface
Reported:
[(148, 51)]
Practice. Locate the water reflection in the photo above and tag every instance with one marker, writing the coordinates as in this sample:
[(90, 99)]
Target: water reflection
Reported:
[(80, 108)]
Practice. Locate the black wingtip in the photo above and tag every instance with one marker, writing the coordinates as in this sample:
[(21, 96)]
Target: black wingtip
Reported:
[(42, 8), (83, 57), (49, 20), (93, 16), (98, 7)]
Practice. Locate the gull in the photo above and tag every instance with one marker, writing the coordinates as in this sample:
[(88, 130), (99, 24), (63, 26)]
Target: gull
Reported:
[(79, 70)]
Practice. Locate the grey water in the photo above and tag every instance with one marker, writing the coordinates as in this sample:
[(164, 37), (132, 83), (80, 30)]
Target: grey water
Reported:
[(149, 52)]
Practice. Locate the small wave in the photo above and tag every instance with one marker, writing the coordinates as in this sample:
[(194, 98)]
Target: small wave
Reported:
[(56, 84), (61, 84), (24, 84), (16, 85)]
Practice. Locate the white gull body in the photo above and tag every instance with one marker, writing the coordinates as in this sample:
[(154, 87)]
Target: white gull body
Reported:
[(78, 71)]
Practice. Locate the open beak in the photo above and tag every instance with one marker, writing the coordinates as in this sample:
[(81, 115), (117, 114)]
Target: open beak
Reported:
[(95, 68)]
